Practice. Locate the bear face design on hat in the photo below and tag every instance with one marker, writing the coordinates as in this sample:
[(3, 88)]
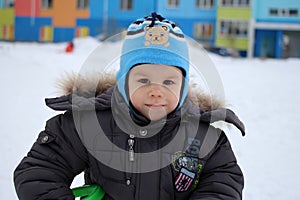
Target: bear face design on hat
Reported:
[(153, 40), (157, 35)]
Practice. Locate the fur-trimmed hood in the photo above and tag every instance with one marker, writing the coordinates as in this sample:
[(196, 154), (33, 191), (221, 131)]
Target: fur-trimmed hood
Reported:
[(98, 83), (85, 88)]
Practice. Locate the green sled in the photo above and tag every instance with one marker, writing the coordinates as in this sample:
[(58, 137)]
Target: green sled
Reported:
[(89, 192)]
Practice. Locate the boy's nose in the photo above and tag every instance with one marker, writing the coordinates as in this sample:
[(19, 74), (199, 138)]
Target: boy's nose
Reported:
[(155, 91)]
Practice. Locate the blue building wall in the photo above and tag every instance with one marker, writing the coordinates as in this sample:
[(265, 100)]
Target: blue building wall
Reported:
[(187, 14), (266, 39), (140, 8), (28, 29), (269, 41), (187, 26), (96, 9), (186, 9), (94, 25), (63, 34), (261, 10), (117, 19)]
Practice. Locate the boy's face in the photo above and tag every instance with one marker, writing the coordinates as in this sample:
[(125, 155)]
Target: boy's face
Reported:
[(154, 90)]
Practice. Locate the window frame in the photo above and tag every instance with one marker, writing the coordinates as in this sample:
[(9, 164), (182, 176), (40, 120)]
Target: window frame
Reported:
[(82, 4), (126, 5), (46, 4), (235, 3), (173, 3), (292, 14), (204, 4), (8, 3), (203, 31), (283, 12), (233, 28)]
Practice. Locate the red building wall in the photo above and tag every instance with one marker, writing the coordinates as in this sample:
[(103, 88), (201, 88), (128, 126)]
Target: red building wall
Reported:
[(27, 7)]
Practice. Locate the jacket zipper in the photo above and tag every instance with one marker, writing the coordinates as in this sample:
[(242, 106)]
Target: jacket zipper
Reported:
[(131, 149), (130, 142)]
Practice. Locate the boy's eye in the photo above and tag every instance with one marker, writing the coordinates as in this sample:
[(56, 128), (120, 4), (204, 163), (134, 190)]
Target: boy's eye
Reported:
[(168, 82), (144, 81)]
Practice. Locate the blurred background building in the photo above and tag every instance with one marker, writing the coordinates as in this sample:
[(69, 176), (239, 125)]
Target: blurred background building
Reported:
[(247, 28)]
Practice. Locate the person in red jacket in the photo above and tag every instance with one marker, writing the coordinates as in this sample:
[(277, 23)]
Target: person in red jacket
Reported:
[(70, 47)]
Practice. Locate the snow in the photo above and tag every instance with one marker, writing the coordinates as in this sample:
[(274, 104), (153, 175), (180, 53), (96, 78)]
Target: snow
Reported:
[(263, 93)]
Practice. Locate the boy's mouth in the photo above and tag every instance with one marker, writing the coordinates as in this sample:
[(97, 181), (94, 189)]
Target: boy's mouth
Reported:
[(155, 105)]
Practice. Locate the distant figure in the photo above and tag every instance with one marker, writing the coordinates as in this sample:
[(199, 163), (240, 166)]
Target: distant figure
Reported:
[(70, 47)]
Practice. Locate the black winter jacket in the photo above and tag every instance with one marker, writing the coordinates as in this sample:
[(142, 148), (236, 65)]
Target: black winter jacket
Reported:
[(200, 164)]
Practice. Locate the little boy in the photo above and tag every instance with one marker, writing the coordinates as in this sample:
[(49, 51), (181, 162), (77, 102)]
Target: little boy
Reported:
[(142, 138)]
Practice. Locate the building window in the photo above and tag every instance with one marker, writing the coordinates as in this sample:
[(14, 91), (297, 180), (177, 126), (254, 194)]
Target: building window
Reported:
[(47, 4), (273, 12), (204, 3), (230, 28), (244, 3), (235, 3), (203, 31), (225, 2), (126, 4), (283, 12), (7, 4), (82, 4), (173, 3), (293, 12)]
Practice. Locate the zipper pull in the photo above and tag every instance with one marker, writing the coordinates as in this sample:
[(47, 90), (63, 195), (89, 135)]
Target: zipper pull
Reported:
[(131, 151)]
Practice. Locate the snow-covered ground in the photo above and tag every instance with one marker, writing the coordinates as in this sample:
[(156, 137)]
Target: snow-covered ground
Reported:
[(264, 94)]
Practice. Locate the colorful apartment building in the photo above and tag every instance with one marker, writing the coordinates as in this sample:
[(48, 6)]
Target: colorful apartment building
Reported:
[(233, 18), (57, 20), (276, 29), (195, 17), (50, 20), (252, 27)]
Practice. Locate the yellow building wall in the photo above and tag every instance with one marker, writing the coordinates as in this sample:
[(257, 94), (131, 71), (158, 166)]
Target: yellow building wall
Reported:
[(7, 24), (236, 43), (64, 13), (234, 13), (226, 13)]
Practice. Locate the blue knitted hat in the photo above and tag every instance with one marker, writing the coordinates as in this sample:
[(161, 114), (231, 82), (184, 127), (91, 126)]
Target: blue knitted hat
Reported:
[(153, 40)]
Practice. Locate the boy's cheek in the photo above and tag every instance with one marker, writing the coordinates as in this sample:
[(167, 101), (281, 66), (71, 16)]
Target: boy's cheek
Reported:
[(133, 91), (175, 92)]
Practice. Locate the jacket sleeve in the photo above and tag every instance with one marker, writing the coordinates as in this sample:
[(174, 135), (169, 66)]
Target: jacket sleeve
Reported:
[(221, 178), (52, 163)]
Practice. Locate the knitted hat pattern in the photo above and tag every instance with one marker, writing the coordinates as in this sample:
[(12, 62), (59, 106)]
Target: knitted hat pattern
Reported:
[(153, 40)]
